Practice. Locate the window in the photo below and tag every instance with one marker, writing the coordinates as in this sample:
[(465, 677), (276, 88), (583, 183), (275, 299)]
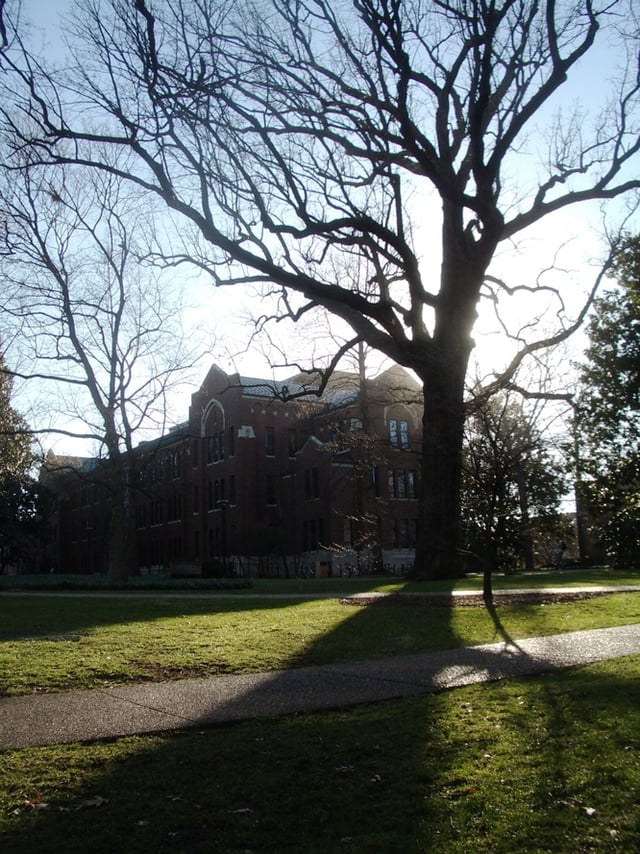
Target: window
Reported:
[(232, 441), (293, 441), (393, 432), (156, 512), (174, 464), (404, 533), (269, 442), (232, 489), (195, 447), (404, 434), (307, 536), (401, 533), (312, 534), (215, 448), (401, 485), (312, 483), (399, 434), (375, 477), (271, 490), (196, 499), (174, 508)]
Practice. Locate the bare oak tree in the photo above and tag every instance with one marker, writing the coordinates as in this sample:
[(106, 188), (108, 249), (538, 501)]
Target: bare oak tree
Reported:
[(92, 326), (296, 137)]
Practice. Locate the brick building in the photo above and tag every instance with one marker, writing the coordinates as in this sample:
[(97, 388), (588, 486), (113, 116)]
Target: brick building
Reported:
[(262, 480)]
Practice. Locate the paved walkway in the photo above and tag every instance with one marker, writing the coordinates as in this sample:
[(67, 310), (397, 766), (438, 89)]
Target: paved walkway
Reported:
[(153, 707)]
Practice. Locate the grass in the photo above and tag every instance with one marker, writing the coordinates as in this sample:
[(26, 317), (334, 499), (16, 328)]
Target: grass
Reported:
[(65, 642), (312, 586), (545, 764), (512, 581)]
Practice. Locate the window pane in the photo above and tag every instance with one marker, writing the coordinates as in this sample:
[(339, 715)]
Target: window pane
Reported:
[(404, 434), (269, 443), (393, 432), (401, 485)]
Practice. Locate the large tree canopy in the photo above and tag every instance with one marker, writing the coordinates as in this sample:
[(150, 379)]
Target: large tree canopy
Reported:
[(511, 483), (297, 138), (610, 397), (608, 416)]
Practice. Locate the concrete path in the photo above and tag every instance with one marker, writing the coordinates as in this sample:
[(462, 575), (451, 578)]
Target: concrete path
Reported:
[(153, 707)]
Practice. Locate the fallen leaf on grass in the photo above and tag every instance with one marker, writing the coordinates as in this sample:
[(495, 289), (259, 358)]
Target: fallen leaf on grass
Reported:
[(96, 801), (35, 804)]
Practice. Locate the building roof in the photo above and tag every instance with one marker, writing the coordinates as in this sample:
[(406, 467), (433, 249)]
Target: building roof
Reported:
[(256, 387)]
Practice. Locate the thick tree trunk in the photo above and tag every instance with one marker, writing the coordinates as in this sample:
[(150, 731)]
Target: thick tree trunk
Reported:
[(122, 557), (437, 552), (443, 376)]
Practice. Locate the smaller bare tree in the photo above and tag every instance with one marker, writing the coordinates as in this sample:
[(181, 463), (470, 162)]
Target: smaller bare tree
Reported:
[(97, 327)]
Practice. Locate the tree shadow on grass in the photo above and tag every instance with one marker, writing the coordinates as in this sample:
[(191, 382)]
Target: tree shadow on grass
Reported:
[(501, 631), (31, 616), (415, 773)]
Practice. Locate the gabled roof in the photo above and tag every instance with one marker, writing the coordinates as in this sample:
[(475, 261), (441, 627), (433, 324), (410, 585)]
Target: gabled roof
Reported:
[(255, 387)]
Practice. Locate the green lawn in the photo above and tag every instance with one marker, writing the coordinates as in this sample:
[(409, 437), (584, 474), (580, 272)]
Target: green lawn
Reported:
[(514, 581), (545, 764), (338, 586), (57, 643)]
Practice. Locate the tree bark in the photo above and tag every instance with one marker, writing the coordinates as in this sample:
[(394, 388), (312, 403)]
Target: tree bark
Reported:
[(437, 552), (445, 368), (122, 559)]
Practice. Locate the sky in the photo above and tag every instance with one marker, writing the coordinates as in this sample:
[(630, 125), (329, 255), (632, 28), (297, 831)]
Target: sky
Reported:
[(220, 319)]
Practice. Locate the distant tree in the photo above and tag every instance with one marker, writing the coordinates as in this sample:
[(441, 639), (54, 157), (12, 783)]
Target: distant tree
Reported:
[(608, 413), (91, 322), (21, 496), (293, 135), (511, 483)]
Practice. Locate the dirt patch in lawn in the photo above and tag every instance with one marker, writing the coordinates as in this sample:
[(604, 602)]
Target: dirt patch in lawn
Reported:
[(471, 600)]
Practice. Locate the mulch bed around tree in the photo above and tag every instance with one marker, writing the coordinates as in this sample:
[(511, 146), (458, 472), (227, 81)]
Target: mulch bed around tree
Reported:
[(473, 600)]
